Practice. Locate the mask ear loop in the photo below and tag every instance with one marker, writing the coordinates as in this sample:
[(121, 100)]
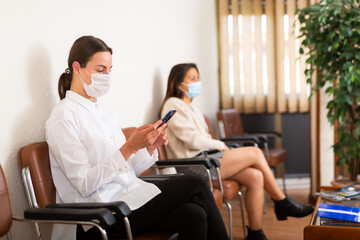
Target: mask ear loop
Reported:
[(86, 72), (81, 78), (183, 89)]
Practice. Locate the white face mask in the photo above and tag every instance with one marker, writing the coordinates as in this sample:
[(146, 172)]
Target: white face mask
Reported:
[(100, 85)]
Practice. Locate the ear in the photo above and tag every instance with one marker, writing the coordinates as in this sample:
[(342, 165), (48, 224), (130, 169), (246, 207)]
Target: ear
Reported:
[(183, 87), (76, 67)]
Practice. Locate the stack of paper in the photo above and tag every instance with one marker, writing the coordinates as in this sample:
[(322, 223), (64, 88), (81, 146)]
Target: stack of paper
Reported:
[(347, 193)]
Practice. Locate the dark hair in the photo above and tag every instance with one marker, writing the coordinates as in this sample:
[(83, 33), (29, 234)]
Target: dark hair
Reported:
[(176, 77), (81, 51)]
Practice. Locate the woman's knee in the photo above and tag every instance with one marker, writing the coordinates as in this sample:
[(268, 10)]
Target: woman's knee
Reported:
[(259, 155), (255, 179), (257, 151), (195, 213), (190, 220), (195, 180)]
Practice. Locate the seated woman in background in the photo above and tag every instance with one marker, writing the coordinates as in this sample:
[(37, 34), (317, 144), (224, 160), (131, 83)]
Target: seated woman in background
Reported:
[(188, 136), (92, 161)]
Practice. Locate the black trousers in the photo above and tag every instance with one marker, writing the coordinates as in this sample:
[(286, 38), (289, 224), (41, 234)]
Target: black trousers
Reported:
[(185, 206)]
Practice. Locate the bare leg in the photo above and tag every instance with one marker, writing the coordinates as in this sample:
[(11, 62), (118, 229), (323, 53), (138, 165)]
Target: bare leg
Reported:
[(254, 197), (238, 159)]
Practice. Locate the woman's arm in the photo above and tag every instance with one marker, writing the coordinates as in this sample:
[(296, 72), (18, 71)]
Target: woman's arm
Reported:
[(128, 132), (72, 157), (185, 129), (148, 136), (144, 157)]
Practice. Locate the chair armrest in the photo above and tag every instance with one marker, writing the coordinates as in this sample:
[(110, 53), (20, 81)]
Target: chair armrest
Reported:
[(233, 145), (157, 178), (119, 207), (237, 139), (187, 162), (215, 162), (184, 162), (210, 152), (266, 133), (103, 216), (262, 138)]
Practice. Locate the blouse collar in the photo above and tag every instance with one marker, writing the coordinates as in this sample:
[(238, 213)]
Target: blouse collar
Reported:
[(80, 99)]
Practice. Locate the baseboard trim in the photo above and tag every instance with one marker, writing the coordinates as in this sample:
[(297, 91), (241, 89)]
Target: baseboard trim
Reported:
[(294, 183)]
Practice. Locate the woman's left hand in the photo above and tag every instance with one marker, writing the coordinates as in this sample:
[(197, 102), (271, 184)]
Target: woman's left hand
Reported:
[(161, 139), (226, 148)]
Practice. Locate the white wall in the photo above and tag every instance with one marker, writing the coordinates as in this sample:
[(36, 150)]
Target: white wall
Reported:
[(148, 38), (327, 160)]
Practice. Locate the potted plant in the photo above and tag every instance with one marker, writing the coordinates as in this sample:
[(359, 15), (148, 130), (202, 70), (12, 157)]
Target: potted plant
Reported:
[(330, 33)]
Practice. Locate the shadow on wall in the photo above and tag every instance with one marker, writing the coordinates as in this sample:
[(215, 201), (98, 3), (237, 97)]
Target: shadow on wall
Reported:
[(157, 97), (29, 127)]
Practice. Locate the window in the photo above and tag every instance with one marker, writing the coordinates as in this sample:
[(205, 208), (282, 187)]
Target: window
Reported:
[(261, 70)]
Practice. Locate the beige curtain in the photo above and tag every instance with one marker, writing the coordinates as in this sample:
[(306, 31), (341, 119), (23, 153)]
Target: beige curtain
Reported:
[(261, 70)]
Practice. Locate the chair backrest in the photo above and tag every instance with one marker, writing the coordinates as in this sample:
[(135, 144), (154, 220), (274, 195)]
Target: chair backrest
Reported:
[(231, 121), (162, 153), (36, 157), (5, 206), (208, 123)]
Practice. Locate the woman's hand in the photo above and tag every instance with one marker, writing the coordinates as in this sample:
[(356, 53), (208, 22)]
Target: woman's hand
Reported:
[(226, 148), (147, 136), (161, 138)]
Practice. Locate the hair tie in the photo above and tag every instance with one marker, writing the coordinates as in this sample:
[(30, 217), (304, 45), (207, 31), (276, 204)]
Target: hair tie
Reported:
[(67, 71)]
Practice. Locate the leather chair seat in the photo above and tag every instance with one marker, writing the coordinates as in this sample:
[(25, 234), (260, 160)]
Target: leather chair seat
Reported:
[(218, 197), (276, 156), (231, 188)]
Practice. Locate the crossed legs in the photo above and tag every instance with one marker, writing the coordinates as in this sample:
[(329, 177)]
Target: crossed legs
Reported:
[(249, 167)]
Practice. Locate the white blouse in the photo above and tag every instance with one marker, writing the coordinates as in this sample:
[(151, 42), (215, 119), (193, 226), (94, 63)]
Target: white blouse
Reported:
[(84, 141)]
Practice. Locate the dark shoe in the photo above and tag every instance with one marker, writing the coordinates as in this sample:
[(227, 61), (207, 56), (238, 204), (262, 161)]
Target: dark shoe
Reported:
[(288, 208), (255, 235)]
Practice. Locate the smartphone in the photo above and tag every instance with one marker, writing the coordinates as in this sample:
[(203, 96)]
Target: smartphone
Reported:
[(167, 117)]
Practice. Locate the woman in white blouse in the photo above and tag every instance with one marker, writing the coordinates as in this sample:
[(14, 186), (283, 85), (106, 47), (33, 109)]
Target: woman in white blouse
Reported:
[(91, 161), (188, 136)]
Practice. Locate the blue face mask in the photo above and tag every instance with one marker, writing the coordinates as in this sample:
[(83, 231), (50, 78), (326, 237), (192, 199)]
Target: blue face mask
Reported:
[(194, 89)]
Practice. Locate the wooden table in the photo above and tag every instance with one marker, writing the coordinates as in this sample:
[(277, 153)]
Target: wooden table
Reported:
[(316, 232)]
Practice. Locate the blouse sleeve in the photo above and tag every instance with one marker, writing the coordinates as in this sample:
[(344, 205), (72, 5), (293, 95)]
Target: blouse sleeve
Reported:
[(71, 156), (142, 160), (183, 127)]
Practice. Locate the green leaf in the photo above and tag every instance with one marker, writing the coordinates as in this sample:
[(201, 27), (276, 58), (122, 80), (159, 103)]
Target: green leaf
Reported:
[(330, 33), (351, 68)]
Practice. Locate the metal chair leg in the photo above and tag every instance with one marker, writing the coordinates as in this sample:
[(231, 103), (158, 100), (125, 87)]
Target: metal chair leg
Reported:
[(242, 210), (8, 235), (228, 205)]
